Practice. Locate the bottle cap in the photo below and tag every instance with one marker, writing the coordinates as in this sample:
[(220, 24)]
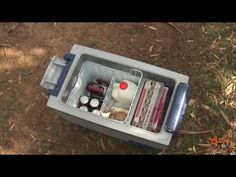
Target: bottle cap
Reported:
[(123, 85)]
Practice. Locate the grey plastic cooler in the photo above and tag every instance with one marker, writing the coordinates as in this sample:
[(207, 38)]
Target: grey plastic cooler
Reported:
[(66, 78)]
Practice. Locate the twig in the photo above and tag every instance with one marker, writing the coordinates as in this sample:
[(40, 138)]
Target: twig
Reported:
[(12, 28), (5, 54), (14, 82), (188, 25), (111, 144), (44, 95), (158, 40), (225, 117), (102, 144), (152, 28), (19, 79), (163, 152), (207, 108), (184, 132), (1, 134), (32, 137), (11, 128), (159, 49), (198, 121), (85, 137), (154, 55), (190, 41), (203, 145), (5, 45), (175, 27), (150, 49), (28, 108)]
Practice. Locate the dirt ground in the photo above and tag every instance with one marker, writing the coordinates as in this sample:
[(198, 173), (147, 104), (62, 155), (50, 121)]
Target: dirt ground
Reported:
[(27, 126)]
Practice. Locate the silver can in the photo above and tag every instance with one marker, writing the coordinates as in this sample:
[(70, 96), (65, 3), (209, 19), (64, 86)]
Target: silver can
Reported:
[(84, 100), (84, 108), (94, 103), (96, 112)]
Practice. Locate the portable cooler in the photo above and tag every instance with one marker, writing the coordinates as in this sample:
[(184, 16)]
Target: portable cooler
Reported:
[(66, 79)]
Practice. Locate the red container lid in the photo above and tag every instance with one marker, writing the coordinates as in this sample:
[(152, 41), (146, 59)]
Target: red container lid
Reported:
[(123, 85)]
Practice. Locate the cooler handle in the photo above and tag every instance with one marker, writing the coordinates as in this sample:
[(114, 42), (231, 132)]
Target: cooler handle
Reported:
[(178, 108), (69, 57)]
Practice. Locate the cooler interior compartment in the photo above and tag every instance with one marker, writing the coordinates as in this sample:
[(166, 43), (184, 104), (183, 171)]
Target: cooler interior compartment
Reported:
[(89, 68), (90, 71)]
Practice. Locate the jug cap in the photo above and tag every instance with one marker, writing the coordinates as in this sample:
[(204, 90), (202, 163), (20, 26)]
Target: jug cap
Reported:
[(123, 85)]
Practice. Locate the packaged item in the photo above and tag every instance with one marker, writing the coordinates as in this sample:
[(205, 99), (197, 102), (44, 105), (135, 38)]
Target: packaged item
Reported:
[(157, 117)]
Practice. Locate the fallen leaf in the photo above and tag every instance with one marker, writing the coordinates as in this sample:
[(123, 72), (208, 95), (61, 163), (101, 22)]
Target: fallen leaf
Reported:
[(49, 128), (194, 149), (190, 149), (34, 139), (229, 89), (179, 141), (213, 44), (221, 102), (11, 81), (193, 116), (191, 102)]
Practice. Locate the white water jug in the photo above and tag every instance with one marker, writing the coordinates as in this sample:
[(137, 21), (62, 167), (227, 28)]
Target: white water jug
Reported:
[(124, 92)]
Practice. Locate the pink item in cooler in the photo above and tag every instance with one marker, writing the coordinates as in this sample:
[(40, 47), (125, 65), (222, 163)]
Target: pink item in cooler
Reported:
[(155, 97), (159, 111), (140, 107)]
